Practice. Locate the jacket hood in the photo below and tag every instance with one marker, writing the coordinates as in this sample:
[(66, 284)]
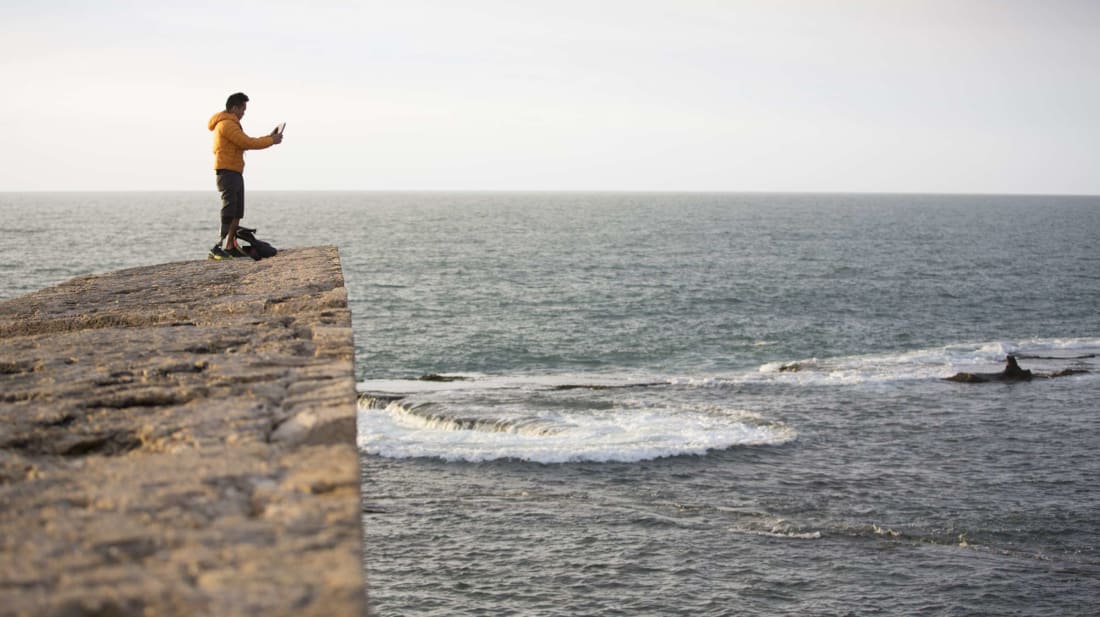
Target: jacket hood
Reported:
[(218, 117)]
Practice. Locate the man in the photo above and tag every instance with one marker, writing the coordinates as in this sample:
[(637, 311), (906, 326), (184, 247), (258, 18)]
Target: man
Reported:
[(230, 142)]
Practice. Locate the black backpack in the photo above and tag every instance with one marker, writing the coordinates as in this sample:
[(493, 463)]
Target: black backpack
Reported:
[(256, 249)]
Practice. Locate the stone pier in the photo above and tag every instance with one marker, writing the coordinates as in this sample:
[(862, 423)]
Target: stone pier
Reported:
[(179, 439)]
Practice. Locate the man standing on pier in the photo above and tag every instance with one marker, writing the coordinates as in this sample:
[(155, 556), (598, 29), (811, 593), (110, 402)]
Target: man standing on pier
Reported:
[(230, 142)]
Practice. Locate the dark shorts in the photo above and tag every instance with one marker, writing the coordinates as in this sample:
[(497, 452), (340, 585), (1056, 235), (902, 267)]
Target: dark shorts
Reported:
[(231, 186)]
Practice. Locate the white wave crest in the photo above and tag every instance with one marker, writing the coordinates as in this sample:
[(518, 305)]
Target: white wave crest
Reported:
[(926, 364), (619, 435), (776, 528)]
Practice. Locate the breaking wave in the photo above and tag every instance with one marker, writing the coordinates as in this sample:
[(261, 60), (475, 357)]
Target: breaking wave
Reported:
[(545, 423), (423, 417), (934, 363), (627, 418)]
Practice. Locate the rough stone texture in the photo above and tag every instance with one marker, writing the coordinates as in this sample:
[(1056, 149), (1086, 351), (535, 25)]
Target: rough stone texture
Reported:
[(180, 440)]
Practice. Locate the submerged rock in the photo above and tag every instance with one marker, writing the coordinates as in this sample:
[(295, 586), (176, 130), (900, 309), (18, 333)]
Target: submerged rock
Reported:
[(442, 378), (1012, 372)]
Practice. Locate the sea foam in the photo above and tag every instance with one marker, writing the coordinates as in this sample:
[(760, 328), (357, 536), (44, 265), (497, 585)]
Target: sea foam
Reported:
[(460, 431)]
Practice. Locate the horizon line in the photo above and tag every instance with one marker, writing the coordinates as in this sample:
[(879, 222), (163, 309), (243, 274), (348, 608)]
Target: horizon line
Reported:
[(581, 191)]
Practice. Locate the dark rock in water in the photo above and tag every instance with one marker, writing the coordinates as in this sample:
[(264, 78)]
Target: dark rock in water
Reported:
[(442, 378), (1012, 372), (1034, 357), (608, 387), (972, 377), (1068, 371), (790, 367)]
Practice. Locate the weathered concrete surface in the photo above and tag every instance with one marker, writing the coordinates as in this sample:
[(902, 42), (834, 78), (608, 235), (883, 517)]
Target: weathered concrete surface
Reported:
[(180, 440)]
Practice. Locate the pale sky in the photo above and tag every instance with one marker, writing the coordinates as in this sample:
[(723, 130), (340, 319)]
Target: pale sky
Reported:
[(970, 96)]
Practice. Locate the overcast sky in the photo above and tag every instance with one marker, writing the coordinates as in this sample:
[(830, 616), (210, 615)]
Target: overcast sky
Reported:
[(986, 96)]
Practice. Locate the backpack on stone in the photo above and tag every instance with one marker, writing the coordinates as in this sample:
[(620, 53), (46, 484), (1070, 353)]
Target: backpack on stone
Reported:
[(256, 249)]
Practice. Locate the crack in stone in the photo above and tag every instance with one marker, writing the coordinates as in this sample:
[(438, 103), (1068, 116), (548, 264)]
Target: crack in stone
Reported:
[(152, 398)]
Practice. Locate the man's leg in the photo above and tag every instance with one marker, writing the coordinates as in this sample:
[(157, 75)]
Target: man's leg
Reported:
[(231, 235), (232, 185)]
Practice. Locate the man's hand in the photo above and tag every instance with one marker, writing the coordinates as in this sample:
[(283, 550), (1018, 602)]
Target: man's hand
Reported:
[(276, 136)]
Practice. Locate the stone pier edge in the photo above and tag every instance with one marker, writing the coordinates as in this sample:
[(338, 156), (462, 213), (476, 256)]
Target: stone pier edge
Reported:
[(180, 439)]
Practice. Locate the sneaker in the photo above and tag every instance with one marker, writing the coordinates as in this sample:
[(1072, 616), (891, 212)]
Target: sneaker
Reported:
[(218, 254)]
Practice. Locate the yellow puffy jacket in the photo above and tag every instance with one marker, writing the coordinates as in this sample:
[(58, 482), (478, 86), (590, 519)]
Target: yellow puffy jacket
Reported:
[(230, 142)]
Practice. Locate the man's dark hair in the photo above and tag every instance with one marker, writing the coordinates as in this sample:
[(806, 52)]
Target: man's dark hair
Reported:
[(235, 100)]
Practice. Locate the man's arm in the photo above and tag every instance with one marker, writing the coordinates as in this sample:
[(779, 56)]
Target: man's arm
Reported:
[(234, 133)]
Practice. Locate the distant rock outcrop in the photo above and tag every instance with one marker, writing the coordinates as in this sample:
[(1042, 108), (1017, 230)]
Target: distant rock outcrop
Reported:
[(1011, 372), (180, 440)]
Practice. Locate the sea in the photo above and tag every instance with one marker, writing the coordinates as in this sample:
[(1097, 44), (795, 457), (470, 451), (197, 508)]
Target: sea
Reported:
[(687, 403)]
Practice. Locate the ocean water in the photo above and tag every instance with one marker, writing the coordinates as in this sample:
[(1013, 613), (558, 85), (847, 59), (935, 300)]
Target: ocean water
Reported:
[(688, 404)]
